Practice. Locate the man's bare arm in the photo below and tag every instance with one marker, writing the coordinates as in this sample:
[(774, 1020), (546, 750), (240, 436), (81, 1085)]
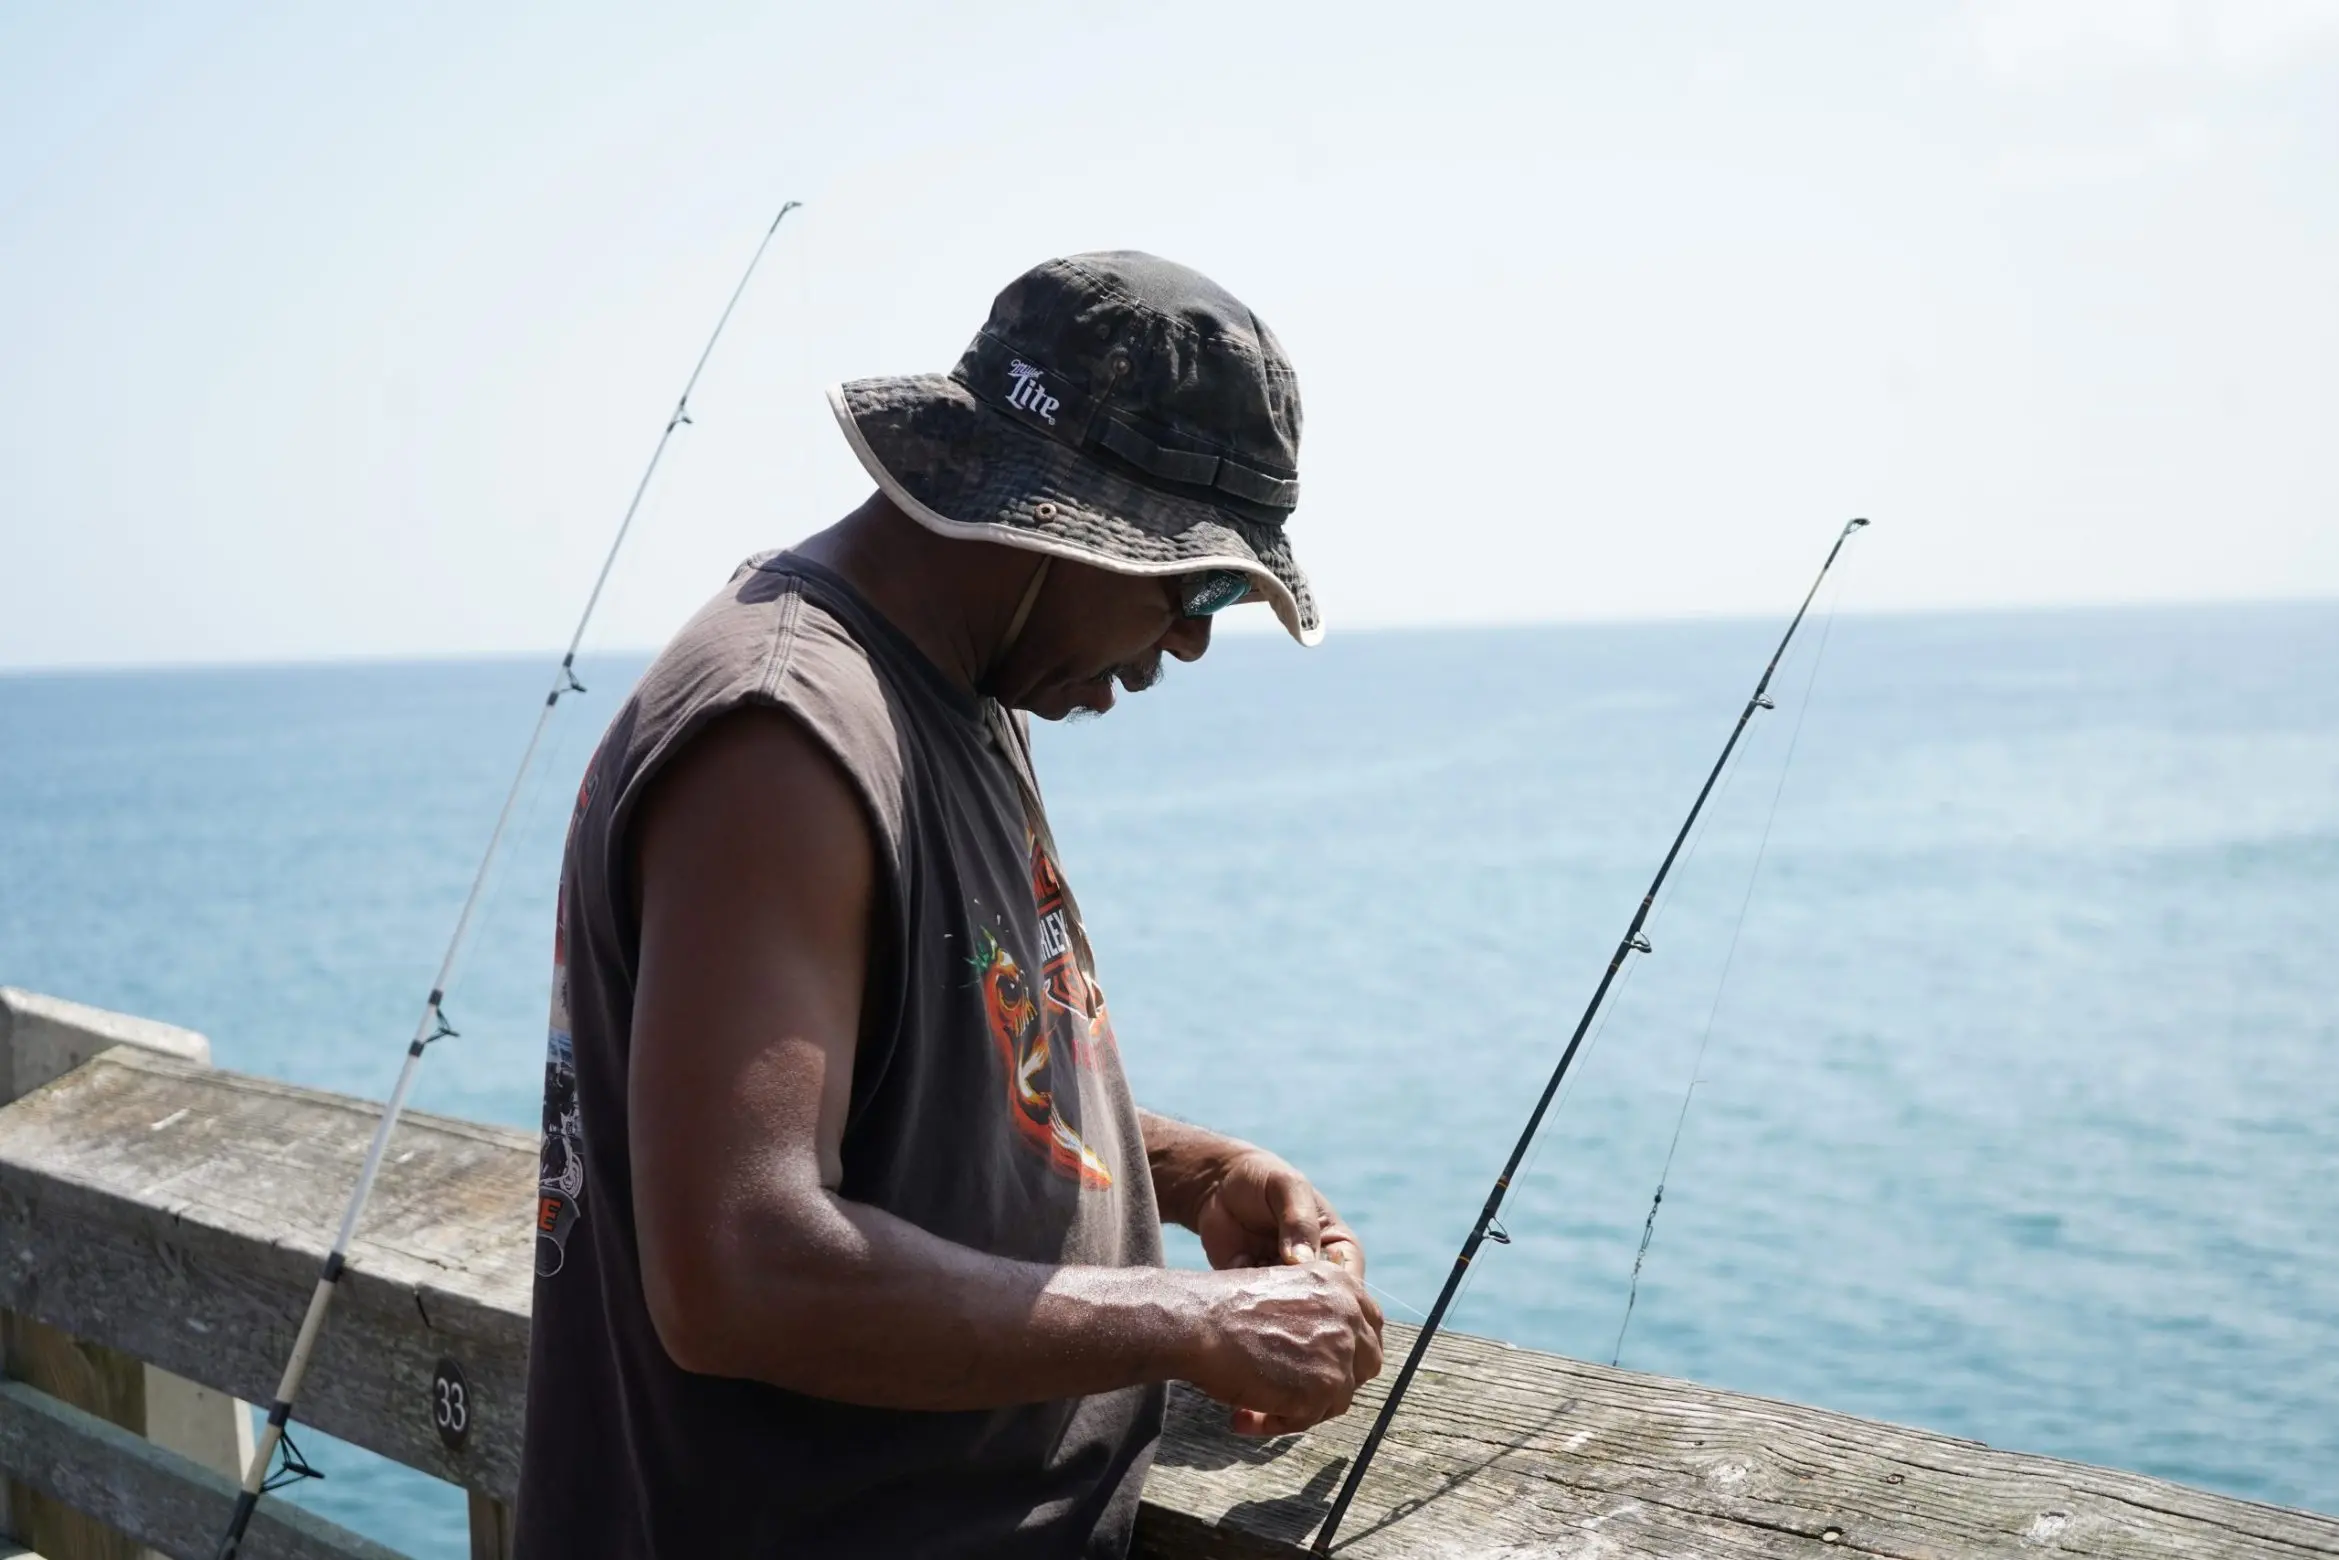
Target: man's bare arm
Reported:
[(757, 876)]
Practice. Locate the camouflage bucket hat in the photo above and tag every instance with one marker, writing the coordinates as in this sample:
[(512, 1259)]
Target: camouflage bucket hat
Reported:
[(1116, 409)]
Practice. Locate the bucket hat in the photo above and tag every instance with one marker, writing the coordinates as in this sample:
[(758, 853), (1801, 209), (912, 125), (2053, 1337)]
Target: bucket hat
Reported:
[(1116, 408)]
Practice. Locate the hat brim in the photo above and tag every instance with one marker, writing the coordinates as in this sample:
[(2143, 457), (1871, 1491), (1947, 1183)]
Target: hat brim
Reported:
[(956, 466)]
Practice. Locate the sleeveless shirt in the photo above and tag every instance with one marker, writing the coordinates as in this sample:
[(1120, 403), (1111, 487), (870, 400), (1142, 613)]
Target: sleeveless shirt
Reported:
[(988, 1107)]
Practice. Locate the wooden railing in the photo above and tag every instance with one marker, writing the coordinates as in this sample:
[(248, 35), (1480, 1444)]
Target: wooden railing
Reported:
[(157, 1215)]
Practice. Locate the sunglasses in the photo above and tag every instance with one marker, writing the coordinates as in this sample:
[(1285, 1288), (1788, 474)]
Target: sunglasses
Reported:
[(1212, 590)]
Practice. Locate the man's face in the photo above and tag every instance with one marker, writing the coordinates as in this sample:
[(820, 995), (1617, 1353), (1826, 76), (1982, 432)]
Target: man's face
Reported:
[(1091, 630)]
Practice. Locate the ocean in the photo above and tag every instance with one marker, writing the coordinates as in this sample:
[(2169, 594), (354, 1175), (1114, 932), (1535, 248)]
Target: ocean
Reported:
[(2016, 1112)]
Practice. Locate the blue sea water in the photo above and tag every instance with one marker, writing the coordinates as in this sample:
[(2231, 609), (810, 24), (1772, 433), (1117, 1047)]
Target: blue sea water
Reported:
[(2020, 1113)]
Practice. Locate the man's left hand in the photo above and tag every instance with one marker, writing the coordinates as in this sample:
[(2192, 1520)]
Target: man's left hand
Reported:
[(1262, 1213)]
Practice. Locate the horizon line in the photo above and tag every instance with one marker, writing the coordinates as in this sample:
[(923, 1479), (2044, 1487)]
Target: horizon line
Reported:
[(1266, 629)]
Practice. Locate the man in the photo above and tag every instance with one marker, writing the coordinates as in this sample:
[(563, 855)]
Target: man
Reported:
[(849, 1238)]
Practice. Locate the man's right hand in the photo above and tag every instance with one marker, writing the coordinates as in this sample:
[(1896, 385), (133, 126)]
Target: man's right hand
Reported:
[(1287, 1347)]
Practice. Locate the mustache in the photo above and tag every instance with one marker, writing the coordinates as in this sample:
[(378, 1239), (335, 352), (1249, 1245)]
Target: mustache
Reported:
[(1133, 676)]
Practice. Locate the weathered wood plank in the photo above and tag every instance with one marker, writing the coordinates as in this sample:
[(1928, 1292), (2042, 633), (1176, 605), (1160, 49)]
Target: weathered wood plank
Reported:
[(180, 1214), (102, 1381), (41, 1039), (167, 1501), (491, 1528), (208, 1426), (1508, 1451), (44, 1037), (137, 1193), (91, 1377)]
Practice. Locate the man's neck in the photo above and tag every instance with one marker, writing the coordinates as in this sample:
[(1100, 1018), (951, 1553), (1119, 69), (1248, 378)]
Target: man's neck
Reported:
[(954, 599)]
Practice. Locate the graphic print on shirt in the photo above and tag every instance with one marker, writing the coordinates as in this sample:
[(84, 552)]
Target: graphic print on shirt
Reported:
[(560, 1163), (1047, 1033)]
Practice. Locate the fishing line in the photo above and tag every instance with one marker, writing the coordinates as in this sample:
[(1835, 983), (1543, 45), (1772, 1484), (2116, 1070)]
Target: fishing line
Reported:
[(1392, 1299), (1559, 1104), (1632, 942), (495, 888), (1713, 1010), (552, 761), (1497, 1231), (434, 1025), (1500, 1233)]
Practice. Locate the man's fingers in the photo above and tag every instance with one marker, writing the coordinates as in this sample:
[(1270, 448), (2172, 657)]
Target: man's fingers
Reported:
[(1371, 1308), (1249, 1421), (1252, 1422), (1339, 1244), (1299, 1216)]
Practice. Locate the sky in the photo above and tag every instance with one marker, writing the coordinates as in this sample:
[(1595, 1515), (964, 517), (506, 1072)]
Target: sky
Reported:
[(341, 331)]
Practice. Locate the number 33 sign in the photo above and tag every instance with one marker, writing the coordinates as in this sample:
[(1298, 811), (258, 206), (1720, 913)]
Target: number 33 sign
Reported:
[(450, 1404)]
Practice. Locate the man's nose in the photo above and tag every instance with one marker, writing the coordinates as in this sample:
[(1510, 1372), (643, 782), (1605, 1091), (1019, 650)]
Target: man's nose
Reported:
[(1188, 638)]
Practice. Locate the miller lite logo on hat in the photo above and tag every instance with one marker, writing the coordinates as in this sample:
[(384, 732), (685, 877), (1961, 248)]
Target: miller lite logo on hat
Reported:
[(1030, 394)]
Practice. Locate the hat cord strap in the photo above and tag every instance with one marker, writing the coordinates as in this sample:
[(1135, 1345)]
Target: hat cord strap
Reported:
[(1007, 733), (1031, 599)]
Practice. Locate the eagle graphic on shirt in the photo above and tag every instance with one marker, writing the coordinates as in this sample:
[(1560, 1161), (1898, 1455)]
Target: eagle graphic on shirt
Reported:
[(1047, 1030)]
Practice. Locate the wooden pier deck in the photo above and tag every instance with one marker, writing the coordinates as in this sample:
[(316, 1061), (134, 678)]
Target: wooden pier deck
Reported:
[(155, 1209)]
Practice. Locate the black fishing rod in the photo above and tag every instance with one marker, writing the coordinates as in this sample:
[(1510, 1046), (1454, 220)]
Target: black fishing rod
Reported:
[(434, 1025), (1632, 943)]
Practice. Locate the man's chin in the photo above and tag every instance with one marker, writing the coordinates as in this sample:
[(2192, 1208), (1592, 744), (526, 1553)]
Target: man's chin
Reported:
[(1074, 701)]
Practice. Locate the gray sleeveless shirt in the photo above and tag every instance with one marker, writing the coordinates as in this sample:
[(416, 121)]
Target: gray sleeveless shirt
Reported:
[(988, 1107)]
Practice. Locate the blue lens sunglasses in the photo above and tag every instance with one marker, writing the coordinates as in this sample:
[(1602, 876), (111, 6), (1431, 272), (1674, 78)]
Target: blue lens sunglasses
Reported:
[(1211, 591)]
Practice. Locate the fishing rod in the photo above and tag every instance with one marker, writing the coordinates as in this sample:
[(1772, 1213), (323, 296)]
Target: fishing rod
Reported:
[(1633, 942), (1705, 1038), (433, 1026)]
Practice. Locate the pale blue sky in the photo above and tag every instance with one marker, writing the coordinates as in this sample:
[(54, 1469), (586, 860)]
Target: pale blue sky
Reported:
[(328, 331)]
